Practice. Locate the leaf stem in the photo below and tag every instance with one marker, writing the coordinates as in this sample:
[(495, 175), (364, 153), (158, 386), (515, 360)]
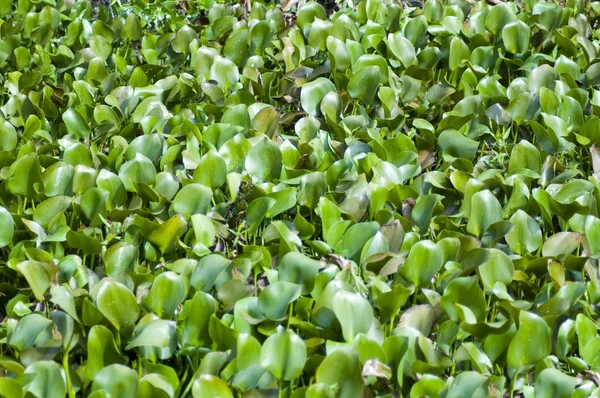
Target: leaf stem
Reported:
[(188, 387), (119, 339), (290, 315), (513, 384), (70, 392)]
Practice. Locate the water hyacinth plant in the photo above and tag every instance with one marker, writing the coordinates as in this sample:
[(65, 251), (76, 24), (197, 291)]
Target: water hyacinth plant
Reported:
[(368, 198)]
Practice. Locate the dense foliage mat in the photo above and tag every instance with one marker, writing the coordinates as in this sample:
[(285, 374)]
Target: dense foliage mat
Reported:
[(356, 200)]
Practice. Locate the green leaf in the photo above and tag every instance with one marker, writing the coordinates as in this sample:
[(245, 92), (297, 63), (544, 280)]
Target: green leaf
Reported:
[(211, 170), (339, 53), (542, 76), (47, 380), (459, 52), (7, 227), (264, 160), (499, 268), (183, 39), (63, 297), (341, 371), (313, 92), (76, 123), (50, 208), (283, 354), (204, 230), (132, 28), (525, 155), (119, 258), (299, 269), (516, 36), (234, 152), (455, 145), (485, 210), (37, 276), (249, 350), (402, 48), (439, 92), (531, 328), (102, 351), (8, 136), (82, 241), (275, 298), (117, 380), (354, 314), (25, 176), (561, 244), (586, 332), (469, 384), (424, 260), (101, 47), (465, 292), (10, 388), (210, 268), (194, 319), (149, 145), (223, 336), (157, 333), (554, 383), (406, 193), (355, 238), (317, 37), (592, 232), (165, 237), (319, 390), (498, 17), (428, 386), (117, 304), (224, 71), (167, 292), (364, 83), (28, 330), (312, 187), (138, 170), (210, 386), (309, 12), (192, 199), (526, 236), (568, 66)]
